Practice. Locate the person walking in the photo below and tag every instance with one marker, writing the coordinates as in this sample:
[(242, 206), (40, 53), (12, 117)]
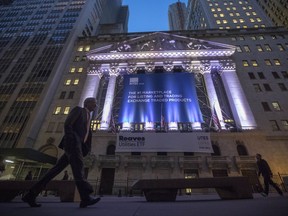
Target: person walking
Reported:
[(265, 171), (76, 144), (66, 176)]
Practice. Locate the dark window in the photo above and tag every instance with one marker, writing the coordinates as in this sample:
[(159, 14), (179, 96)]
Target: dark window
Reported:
[(261, 75), (267, 87), (241, 149), (265, 106), (71, 95), (275, 75), (216, 150), (62, 95), (251, 75), (110, 150), (282, 86)]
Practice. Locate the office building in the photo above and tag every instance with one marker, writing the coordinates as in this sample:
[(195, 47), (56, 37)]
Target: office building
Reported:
[(36, 39), (220, 14), (277, 10), (177, 14)]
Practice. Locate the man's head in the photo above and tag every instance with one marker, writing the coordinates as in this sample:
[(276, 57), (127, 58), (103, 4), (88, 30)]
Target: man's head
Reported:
[(90, 104), (258, 156)]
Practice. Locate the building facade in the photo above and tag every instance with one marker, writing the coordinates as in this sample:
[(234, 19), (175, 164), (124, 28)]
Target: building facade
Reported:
[(244, 93), (179, 104)]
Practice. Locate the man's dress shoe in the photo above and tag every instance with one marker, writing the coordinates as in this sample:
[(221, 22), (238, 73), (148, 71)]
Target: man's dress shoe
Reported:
[(91, 201), (30, 199)]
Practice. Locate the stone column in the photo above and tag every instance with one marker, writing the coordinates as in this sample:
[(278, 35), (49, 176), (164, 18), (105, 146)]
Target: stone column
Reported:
[(212, 95), (107, 109), (241, 110), (91, 86)]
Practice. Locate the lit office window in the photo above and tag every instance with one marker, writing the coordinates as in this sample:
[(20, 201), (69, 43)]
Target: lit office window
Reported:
[(276, 106), (218, 22), (274, 125), (267, 47), (245, 63), (80, 69), (235, 21), (246, 48), (285, 124), (87, 48), (259, 19), (57, 110), (277, 62), (68, 82), (241, 20), (80, 48), (253, 38), (254, 63), (222, 15), (261, 37), (225, 21), (66, 110), (231, 14), (238, 49), (76, 82), (268, 62), (280, 47), (237, 14), (252, 20), (72, 70), (259, 48), (215, 15)]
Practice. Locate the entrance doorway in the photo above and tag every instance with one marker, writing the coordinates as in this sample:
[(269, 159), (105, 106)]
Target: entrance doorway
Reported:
[(107, 181)]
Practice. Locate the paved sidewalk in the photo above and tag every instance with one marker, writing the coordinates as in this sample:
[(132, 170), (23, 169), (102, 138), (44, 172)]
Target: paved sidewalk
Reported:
[(194, 205)]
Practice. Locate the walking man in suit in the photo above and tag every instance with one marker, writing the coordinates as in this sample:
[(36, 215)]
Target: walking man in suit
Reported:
[(76, 144)]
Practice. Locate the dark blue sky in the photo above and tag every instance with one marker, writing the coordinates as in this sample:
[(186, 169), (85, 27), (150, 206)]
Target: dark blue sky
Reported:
[(148, 15)]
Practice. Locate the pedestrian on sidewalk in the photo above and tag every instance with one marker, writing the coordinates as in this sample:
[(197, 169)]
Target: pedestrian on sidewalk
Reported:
[(265, 171), (76, 144)]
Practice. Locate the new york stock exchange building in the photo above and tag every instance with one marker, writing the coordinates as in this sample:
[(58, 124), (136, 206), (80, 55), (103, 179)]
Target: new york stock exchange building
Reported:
[(170, 105)]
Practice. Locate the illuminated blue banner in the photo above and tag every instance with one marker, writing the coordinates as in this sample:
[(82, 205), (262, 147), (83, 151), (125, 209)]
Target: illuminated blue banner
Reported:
[(156, 97)]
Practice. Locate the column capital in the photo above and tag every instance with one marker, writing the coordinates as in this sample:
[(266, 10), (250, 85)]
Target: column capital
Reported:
[(95, 71)]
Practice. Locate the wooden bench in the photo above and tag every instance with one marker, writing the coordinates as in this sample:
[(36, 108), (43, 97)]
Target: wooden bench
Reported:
[(9, 189), (156, 190)]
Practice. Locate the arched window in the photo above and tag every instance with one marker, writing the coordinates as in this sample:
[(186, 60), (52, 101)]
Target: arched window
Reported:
[(110, 150), (216, 149), (241, 149)]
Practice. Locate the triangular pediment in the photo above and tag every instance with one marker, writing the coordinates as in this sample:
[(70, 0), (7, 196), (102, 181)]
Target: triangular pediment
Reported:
[(162, 45)]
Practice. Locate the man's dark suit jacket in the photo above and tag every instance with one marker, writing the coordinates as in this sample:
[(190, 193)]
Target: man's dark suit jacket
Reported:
[(75, 128)]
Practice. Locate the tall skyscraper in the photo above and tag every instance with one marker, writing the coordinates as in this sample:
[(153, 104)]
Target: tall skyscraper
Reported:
[(36, 40), (277, 10), (177, 14), (208, 14)]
